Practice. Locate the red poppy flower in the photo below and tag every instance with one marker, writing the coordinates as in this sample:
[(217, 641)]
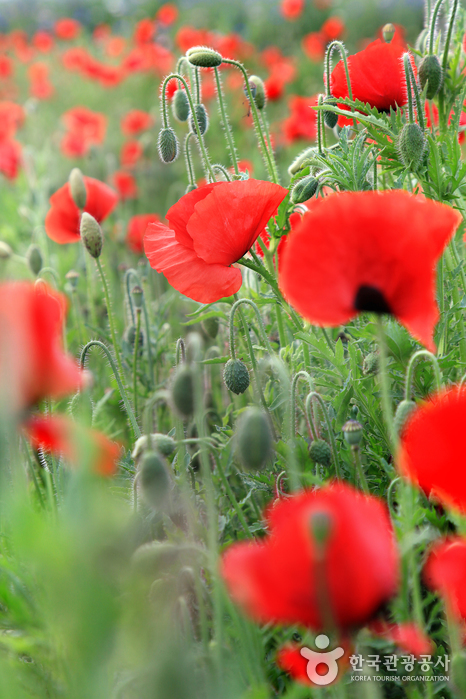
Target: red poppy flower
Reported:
[(187, 37), (38, 74), (377, 77), (61, 436), (32, 363), (101, 32), (10, 158), (136, 229), (125, 184), (288, 578), (131, 153), (289, 658), (432, 445), (11, 118), (332, 28), (210, 229), (407, 636), (291, 9), (90, 126), (302, 123), (115, 46), (167, 13), (144, 31), (67, 29), (368, 251), (313, 45), (62, 220), (42, 41), (136, 121), (445, 572), (6, 67)]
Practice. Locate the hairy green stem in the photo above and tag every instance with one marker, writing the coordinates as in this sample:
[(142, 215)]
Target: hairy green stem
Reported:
[(316, 396), (421, 354), (225, 122), (135, 360)]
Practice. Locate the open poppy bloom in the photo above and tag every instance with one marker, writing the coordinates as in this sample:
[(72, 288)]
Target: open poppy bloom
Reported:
[(62, 220), (61, 436), (368, 251), (211, 228), (136, 121), (33, 365), (330, 559), (445, 572), (377, 77), (136, 229), (432, 446)]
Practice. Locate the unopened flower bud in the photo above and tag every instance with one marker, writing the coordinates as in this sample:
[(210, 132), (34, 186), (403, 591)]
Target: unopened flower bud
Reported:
[(91, 234), (77, 188), (402, 413), (330, 118), (352, 431), (202, 119), (182, 392), (320, 452), (236, 376), (34, 259), (203, 57), (430, 71), (5, 251), (167, 145), (253, 439), (161, 443), (370, 364), (411, 145), (72, 277), (300, 160), (258, 91), (154, 480), (190, 188), (304, 189), (129, 338), (321, 527), (180, 105), (388, 32), (210, 327), (138, 295)]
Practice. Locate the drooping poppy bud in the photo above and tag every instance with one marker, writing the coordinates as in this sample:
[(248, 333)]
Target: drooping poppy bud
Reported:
[(236, 376), (304, 189), (258, 91), (204, 57), (201, 117), (411, 145), (210, 327), (167, 145), (403, 411), (77, 188), (180, 105), (320, 452), (253, 439), (91, 234), (430, 71), (182, 393), (34, 259), (330, 118), (154, 480)]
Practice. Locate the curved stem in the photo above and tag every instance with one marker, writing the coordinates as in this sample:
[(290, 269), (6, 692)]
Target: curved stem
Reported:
[(408, 88), (188, 159), (224, 171), (52, 272), (420, 354), (390, 490), (359, 469), (110, 316), (232, 499), (314, 395), (328, 57), (234, 308), (417, 96), (265, 126), (124, 397), (225, 122), (300, 375), (135, 360)]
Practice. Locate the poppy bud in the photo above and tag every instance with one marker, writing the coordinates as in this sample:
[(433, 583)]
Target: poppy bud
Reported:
[(137, 294), (34, 259), (182, 393), (190, 188), (352, 430), (371, 363), (5, 251), (330, 118), (72, 277), (388, 32), (236, 376), (411, 145), (320, 452), (77, 188), (167, 145), (321, 526), (300, 160), (304, 189), (258, 91), (162, 443), (253, 439), (154, 480), (130, 338), (202, 119), (403, 411), (203, 57), (91, 234), (430, 71), (180, 105), (210, 327)]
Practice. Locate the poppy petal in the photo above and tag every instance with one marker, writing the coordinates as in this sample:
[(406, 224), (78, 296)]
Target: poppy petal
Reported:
[(180, 213), (185, 271)]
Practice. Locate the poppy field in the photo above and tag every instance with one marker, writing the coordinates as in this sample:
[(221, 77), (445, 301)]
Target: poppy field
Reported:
[(233, 353)]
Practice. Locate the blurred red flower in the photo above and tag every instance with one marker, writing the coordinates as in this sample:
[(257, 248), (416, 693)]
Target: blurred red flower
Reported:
[(407, 636), (6, 67), (43, 41), (343, 579), (291, 9), (136, 121), (431, 448), (136, 229), (12, 116), (302, 123), (211, 228), (125, 184), (62, 220), (144, 31), (377, 77), (40, 87), (61, 436), (131, 153), (32, 363), (90, 126), (67, 29), (368, 251), (313, 45), (332, 28), (445, 572), (187, 36), (10, 157), (167, 13), (115, 46)]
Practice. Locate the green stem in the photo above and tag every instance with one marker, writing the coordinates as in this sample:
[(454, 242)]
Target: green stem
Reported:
[(316, 396), (421, 354), (111, 321), (233, 500), (359, 469), (90, 289), (265, 126), (458, 313), (433, 24), (188, 159), (266, 154), (234, 308), (128, 274), (408, 88), (124, 397), (417, 96), (135, 360), (451, 24), (384, 381), (225, 122)]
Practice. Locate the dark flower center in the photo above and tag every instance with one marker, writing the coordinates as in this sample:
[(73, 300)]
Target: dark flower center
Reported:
[(368, 298)]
